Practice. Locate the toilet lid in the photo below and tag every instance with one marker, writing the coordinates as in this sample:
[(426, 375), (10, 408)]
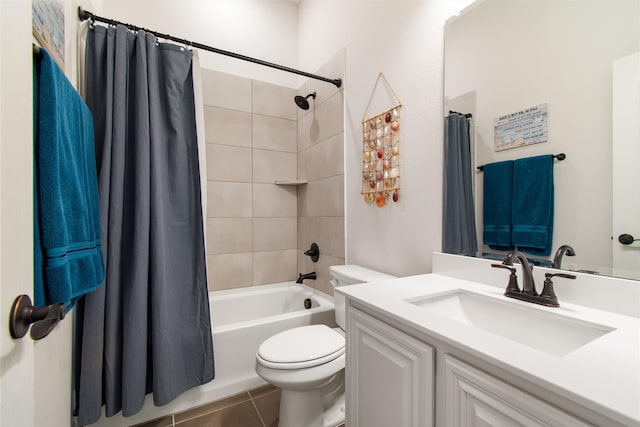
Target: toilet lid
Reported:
[(304, 346)]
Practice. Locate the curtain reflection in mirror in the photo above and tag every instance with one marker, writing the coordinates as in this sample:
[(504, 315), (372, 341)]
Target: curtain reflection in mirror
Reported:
[(459, 227)]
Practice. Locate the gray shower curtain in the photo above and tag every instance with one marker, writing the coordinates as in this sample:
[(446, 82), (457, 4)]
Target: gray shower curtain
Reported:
[(458, 214), (148, 329)]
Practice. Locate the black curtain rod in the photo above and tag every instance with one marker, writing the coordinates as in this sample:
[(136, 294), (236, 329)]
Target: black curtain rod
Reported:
[(468, 115), (84, 15), (560, 158)]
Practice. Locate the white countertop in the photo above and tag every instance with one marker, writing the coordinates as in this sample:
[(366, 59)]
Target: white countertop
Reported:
[(603, 374)]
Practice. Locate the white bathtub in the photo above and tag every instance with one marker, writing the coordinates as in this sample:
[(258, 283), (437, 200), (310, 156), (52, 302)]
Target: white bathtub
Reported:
[(242, 319)]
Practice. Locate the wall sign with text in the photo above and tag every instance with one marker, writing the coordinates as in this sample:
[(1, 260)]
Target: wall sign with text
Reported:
[(524, 127)]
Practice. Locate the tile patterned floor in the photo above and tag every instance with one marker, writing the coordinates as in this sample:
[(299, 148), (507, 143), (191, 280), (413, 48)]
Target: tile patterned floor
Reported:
[(256, 408)]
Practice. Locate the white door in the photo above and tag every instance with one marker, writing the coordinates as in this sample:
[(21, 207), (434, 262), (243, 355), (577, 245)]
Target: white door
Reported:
[(35, 377), (390, 375), (474, 398), (626, 173), (16, 241)]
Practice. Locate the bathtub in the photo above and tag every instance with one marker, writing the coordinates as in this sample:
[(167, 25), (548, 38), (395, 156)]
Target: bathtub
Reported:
[(242, 319)]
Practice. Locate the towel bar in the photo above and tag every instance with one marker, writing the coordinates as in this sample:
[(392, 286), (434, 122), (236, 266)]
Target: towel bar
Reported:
[(560, 157), (44, 319)]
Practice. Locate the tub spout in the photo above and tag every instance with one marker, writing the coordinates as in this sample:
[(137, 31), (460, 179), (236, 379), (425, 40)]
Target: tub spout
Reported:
[(302, 277)]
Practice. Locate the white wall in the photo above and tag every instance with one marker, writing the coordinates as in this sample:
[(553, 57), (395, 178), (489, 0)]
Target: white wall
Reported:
[(265, 30), (404, 40)]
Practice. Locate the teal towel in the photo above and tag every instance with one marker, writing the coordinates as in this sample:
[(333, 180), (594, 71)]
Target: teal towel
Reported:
[(498, 193), (68, 257), (533, 204)]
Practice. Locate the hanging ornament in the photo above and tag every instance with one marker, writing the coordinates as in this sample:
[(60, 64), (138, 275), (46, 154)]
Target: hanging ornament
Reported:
[(380, 153)]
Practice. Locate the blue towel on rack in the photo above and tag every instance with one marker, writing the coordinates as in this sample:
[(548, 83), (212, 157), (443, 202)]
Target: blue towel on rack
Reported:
[(68, 257), (498, 193), (533, 204)]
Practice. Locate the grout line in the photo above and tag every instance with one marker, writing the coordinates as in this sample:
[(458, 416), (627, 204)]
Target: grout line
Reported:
[(257, 411)]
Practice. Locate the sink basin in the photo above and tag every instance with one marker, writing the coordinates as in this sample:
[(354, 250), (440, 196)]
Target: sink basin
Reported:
[(538, 328)]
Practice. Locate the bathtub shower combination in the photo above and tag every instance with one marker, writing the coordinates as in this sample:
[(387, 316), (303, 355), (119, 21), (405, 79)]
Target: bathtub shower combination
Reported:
[(241, 320)]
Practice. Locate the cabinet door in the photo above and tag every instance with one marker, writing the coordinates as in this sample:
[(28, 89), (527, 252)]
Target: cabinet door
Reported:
[(389, 375), (475, 398)]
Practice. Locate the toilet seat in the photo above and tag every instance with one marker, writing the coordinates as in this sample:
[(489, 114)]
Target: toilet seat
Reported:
[(301, 347)]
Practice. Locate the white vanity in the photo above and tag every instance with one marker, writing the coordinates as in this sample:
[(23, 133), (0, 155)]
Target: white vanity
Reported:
[(440, 350)]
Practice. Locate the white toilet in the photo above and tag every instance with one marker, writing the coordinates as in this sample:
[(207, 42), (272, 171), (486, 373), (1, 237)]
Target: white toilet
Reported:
[(307, 363)]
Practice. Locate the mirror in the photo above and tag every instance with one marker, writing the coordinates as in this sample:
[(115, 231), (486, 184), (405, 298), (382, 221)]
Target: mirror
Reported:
[(502, 57)]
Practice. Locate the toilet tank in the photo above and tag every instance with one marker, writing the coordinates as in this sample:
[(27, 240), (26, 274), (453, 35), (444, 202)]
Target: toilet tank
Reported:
[(344, 275)]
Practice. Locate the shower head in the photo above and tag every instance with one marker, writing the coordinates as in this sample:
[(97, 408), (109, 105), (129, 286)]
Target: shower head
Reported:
[(301, 101)]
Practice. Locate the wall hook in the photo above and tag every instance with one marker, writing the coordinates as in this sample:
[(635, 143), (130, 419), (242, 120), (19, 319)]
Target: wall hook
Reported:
[(44, 319)]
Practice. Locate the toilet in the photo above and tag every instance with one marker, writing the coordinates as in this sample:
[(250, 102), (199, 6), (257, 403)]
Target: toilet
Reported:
[(307, 363)]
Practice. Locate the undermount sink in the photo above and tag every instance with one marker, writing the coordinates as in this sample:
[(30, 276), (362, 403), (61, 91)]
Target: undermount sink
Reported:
[(541, 329)]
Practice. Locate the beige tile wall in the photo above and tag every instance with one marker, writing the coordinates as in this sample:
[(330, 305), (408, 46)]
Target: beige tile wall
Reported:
[(321, 163), (257, 231), (251, 134)]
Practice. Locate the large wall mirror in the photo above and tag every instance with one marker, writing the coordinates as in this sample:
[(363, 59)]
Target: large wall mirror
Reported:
[(505, 56)]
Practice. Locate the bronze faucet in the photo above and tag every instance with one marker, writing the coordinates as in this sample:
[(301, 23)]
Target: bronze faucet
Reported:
[(302, 277), (529, 292), (562, 250)]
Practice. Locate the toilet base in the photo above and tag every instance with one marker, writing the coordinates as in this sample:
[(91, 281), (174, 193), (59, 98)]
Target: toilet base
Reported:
[(301, 408), (321, 407)]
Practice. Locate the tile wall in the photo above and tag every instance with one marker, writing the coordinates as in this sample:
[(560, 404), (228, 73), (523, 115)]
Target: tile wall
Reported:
[(321, 162), (257, 231), (251, 135)]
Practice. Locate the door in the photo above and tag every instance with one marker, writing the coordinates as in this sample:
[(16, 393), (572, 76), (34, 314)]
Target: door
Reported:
[(389, 375), (626, 174), (475, 398), (35, 376), (16, 253)]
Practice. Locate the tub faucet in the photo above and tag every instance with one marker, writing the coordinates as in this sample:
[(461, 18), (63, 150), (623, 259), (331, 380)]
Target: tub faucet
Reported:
[(301, 277), (562, 250)]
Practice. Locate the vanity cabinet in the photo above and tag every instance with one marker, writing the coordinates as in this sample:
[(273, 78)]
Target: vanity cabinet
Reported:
[(392, 380), (475, 398), (390, 375)]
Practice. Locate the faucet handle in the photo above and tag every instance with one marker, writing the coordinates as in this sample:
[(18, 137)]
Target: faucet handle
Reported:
[(508, 267), (548, 294), (564, 275), (512, 287)]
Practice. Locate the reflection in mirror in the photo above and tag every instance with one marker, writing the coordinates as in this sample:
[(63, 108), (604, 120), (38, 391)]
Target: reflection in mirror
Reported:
[(503, 57)]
